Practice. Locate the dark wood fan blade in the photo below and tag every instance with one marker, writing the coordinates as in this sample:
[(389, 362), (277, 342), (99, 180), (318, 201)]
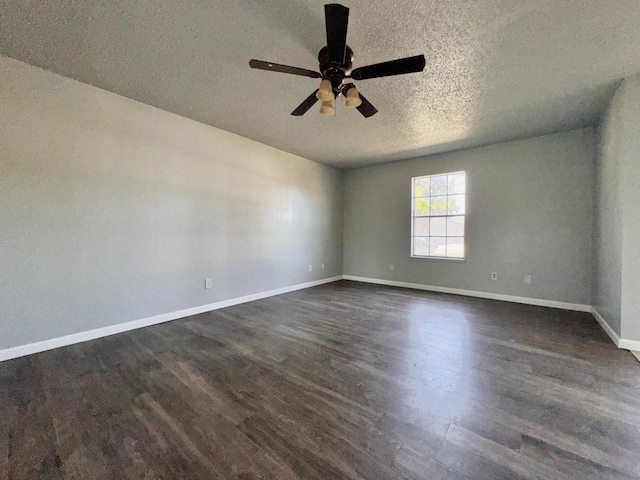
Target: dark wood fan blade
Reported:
[(365, 108), (386, 69), (276, 67), (337, 20), (306, 105)]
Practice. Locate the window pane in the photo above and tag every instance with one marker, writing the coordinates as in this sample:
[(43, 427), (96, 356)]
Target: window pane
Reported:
[(456, 183), (438, 211), (421, 207), (438, 247), (455, 227), (421, 246), (455, 204), (421, 227), (439, 205), (455, 247), (421, 187), (439, 185), (439, 226)]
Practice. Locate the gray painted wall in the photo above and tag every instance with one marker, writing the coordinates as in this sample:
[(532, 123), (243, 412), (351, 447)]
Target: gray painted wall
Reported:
[(617, 239), (529, 212), (114, 211)]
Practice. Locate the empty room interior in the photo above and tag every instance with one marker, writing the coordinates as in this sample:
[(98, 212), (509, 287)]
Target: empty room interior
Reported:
[(296, 240)]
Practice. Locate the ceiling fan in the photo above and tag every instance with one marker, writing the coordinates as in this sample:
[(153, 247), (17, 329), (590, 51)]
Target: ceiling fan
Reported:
[(336, 61)]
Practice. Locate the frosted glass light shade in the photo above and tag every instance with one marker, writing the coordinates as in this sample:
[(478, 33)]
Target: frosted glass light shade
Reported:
[(353, 98), (325, 92), (327, 108)]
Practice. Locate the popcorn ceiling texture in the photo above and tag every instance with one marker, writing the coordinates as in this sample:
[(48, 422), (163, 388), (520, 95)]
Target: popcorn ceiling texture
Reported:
[(496, 69)]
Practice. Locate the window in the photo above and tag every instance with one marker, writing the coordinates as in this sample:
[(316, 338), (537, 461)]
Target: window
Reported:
[(437, 215)]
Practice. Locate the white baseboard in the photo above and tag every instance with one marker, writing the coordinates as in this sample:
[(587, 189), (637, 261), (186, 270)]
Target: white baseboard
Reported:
[(29, 349), (633, 345), (606, 327), (473, 293), (37, 347)]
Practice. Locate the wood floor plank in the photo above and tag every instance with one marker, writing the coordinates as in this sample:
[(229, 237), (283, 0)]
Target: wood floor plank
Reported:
[(345, 380)]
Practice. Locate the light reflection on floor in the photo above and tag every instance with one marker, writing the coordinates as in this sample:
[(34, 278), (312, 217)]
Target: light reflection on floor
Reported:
[(443, 380)]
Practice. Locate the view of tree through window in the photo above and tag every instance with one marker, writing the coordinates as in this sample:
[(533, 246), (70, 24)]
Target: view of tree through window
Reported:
[(438, 211)]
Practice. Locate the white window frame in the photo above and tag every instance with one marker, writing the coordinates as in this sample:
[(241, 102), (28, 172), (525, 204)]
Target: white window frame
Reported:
[(413, 217)]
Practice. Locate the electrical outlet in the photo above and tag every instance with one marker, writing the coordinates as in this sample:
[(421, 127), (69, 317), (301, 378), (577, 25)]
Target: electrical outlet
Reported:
[(494, 275), (322, 266), (311, 268), (208, 283), (391, 266), (527, 279)]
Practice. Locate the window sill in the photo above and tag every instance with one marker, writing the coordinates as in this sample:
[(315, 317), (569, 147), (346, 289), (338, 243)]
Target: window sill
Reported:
[(451, 259)]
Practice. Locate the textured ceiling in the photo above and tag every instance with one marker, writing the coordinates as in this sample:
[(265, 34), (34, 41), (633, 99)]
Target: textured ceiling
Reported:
[(496, 69)]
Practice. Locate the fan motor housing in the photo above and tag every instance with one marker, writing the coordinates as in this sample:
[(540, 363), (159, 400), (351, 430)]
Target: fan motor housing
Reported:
[(333, 71)]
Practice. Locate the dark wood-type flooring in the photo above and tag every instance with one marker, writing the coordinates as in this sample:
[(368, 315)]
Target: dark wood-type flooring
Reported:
[(342, 381)]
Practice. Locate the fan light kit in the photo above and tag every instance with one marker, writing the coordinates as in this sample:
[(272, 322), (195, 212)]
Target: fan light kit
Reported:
[(336, 61), (327, 108)]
